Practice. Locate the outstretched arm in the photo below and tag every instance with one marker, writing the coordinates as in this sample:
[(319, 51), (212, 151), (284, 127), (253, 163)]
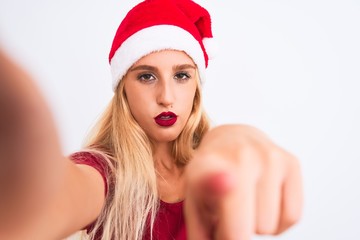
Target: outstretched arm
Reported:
[(43, 195), (239, 184)]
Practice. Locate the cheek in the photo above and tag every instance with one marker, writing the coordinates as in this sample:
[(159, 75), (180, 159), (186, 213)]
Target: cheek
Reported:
[(188, 101), (136, 102)]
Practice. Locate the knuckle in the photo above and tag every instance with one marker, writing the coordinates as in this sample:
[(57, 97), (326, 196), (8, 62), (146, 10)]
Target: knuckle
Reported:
[(293, 216), (266, 228), (295, 163)]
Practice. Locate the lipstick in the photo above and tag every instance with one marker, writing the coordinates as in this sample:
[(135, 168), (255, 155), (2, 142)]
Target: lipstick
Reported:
[(166, 119)]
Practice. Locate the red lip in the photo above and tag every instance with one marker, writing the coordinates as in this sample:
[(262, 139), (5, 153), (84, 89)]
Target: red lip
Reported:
[(166, 119)]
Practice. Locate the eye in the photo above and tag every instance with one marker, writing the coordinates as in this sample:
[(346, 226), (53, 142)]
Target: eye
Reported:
[(182, 76), (146, 77)]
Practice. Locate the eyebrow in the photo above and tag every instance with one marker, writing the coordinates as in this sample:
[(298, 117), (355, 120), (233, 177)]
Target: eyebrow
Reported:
[(143, 67), (183, 66), (152, 68)]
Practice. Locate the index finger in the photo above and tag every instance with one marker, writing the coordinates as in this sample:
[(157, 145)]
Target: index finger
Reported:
[(236, 213), (233, 204)]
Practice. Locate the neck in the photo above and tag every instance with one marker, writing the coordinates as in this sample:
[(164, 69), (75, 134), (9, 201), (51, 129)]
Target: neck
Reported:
[(170, 179), (163, 159)]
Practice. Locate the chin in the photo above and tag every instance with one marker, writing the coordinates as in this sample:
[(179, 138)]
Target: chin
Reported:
[(165, 137)]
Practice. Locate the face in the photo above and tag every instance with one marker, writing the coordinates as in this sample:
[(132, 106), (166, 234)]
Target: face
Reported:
[(160, 90)]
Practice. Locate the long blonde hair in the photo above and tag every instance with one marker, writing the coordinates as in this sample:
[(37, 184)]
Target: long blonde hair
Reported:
[(132, 198)]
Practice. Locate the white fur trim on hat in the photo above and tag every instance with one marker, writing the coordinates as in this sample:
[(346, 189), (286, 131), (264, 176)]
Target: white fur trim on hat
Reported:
[(152, 39), (211, 46)]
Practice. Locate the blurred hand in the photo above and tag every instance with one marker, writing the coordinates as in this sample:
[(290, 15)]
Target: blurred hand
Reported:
[(29, 147), (239, 183)]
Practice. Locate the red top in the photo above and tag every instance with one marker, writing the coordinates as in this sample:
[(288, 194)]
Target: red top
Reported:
[(169, 222)]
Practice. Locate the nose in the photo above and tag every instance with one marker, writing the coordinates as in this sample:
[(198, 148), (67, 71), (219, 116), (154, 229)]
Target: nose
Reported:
[(165, 93)]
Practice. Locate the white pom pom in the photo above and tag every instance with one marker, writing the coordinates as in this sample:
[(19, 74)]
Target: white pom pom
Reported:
[(211, 47)]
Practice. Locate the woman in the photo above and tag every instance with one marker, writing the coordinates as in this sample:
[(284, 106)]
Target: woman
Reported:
[(151, 154)]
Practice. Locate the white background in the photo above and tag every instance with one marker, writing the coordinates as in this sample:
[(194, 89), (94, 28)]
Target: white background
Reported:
[(290, 68)]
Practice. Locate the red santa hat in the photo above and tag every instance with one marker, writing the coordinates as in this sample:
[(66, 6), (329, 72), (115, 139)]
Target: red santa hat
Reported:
[(155, 25)]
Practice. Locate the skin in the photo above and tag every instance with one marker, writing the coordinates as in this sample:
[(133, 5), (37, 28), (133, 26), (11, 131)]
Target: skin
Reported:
[(257, 184), (239, 182), (161, 82), (38, 185)]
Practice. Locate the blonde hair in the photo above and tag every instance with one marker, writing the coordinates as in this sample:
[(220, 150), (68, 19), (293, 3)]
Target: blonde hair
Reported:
[(132, 198)]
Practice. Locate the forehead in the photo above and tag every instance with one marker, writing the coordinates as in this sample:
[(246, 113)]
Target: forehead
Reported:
[(168, 57)]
